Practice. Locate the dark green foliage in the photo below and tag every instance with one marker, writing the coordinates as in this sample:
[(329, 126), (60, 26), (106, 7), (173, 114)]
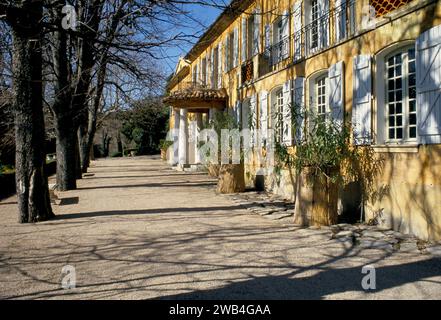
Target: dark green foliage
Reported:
[(146, 123)]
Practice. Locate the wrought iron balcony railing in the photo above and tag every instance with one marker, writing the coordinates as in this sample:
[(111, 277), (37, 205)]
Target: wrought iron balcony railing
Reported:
[(326, 31)]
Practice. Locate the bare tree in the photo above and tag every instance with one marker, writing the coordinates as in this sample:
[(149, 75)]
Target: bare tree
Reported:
[(25, 19)]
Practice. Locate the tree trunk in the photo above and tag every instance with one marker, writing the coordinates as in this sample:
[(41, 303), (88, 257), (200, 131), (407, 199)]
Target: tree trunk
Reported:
[(66, 155), (31, 180), (86, 137), (62, 108)]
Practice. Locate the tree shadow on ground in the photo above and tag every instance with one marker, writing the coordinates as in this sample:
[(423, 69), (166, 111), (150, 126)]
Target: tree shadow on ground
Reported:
[(325, 282), (144, 212)]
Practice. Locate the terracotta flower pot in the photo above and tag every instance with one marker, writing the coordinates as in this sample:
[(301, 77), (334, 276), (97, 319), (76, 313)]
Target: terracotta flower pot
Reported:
[(231, 178), (213, 170)]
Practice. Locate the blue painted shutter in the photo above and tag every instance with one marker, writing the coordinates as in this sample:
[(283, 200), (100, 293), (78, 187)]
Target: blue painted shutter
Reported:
[(428, 64), (256, 32), (263, 114), (361, 109), (287, 127), (336, 85), (299, 105), (297, 16)]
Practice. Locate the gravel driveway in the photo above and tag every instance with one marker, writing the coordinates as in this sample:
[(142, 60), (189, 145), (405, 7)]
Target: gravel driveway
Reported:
[(135, 229)]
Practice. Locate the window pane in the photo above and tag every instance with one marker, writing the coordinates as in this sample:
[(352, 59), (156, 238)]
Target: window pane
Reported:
[(392, 121), (412, 132), (391, 108), (399, 95), (391, 84), (399, 121), (399, 133), (399, 83), (412, 106), (412, 119), (391, 73), (391, 134), (412, 93), (399, 108), (412, 67), (412, 80), (411, 54), (391, 96)]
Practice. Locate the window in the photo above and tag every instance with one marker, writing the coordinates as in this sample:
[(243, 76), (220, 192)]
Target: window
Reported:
[(204, 72), (314, 24), (280, 40), (321, 98), (400, 96), (250, 37), (231, 53), (214, 68)]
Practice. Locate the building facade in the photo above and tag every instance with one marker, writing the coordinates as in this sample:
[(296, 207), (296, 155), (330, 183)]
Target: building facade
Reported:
[(373, 65)]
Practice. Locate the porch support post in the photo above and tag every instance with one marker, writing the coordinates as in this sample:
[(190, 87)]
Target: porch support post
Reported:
[(183, 139), (199, 128), (177, 120)]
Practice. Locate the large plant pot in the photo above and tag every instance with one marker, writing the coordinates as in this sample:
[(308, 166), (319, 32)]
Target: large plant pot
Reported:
[(316, 200), (231, 178), (164, 154), (213, 170)]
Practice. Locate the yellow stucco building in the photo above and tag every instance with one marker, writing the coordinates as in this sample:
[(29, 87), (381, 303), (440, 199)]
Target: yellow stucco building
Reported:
[(374, 65)]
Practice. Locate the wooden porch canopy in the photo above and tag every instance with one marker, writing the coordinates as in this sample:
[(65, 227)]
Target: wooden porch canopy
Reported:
[(197, 99)]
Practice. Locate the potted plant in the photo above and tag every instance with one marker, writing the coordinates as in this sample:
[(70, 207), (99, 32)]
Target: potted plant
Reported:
[(324, 161), (231, 177), (163, 146)]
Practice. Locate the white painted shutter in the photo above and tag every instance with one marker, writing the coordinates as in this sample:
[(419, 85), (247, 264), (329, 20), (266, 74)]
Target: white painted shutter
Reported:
[(299, 105), (196, 77), (336, 98), (268, 40), (361, 110), (286, 132), (219, 66), (256, 32), (340, 19), (236, 48), (297, 17), (227, 53), (263, 113), (285, 34), (237, 111), (244, 40), (323, 23), (211, 64), (428, 68)]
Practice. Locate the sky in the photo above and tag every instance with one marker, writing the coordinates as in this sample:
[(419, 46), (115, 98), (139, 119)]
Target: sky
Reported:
[(204, 16)]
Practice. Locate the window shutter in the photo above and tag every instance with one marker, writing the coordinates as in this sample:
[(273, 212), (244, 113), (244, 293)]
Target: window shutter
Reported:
[(237, 111), (361, 110), (219, 66), (256, 32), (324, 23), (285, 34), (211, 68), (336, 98), (227, 53), (286, 133), (340, 19), (253, 115), (299, 105), (244, 40), (297, 30), (267, 40), (236, 47), (263, 114), (428, 67)]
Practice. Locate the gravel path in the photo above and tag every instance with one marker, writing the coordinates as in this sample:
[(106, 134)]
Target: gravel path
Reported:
[(135, 229)]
